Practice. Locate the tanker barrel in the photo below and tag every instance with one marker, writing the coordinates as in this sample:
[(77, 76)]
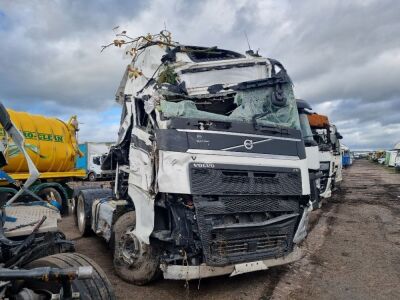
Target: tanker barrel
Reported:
[(5, 119), (50, 142)]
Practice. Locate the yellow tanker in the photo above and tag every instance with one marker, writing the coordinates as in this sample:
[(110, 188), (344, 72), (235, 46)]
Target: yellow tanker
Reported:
[(50, 142)]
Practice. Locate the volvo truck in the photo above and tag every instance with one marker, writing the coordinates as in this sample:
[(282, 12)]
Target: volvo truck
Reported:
[(211, 169)]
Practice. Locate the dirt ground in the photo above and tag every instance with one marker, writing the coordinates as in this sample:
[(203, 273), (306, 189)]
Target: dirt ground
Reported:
[(352, 251)]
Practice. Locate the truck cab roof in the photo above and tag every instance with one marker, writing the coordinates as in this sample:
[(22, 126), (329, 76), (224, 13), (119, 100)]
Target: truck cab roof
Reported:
[(198, 67)]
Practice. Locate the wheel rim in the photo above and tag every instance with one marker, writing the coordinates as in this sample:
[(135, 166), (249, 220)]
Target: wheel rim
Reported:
[(130, 248), (81, 215)]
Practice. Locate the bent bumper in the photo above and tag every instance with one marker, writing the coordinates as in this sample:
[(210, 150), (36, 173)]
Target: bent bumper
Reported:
[(202, 271)]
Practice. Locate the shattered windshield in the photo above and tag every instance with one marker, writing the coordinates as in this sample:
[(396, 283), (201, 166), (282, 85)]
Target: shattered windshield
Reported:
[(250, 105)]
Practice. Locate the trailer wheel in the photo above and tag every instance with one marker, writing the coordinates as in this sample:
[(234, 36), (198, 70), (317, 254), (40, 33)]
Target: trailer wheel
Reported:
[(81, 218), (50, 193), (134, 262), (99, 287), (91, 177)]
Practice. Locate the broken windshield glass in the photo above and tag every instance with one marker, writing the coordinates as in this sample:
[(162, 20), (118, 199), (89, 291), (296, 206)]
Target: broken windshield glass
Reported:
[(258, 105)]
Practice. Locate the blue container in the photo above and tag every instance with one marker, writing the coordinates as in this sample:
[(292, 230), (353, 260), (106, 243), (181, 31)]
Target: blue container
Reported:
[(346, 160), (81, 162)]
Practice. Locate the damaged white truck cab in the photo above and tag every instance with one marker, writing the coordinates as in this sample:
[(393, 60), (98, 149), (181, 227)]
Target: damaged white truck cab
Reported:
[(211, 169)]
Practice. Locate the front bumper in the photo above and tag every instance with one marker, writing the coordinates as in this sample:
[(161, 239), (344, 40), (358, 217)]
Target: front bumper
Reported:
[(202, 271)]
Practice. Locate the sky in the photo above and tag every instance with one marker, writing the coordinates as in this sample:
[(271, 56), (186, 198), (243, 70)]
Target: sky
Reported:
[(343, 56)]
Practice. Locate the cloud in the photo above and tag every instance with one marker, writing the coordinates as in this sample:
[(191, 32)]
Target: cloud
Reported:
[(344, 57)]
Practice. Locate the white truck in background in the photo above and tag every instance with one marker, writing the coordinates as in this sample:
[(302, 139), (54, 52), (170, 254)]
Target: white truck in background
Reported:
[(93, 156), (328, 139), (312, 153)]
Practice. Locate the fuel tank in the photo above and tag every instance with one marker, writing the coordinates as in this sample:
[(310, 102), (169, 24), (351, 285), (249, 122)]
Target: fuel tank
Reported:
[(50, 142)]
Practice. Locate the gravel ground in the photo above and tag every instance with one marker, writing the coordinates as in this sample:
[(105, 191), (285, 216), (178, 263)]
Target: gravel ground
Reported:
[(352, 251), (359, 257)]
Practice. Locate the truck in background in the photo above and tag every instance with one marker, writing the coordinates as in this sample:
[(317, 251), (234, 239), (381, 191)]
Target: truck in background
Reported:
[(328, 139), (312, 153), (92, 157), (397, 159), (390, 159), (218, 181), (53, 146), (347, 159)]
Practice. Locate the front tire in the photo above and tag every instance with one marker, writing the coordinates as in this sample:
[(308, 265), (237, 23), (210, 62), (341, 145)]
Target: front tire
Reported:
[(134, 261), (99, 287)]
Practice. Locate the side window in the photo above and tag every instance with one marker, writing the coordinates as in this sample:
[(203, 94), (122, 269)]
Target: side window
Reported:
[(142, 118)]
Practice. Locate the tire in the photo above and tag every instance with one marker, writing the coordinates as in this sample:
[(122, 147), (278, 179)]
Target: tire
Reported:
[(48, 192), (145, 267), (91, 177), (83, 206), (74, 199), (81, 218), (99, 287)]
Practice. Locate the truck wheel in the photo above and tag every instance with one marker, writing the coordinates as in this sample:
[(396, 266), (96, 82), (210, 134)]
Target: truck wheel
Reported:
[(51, 193), (81, 218), (99, 287), (134, 261), (91, 177)]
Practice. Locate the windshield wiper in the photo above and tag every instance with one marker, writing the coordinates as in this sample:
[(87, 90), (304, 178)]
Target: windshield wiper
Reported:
[(273, 129), (206, 124), (270, 128), (258, 116)]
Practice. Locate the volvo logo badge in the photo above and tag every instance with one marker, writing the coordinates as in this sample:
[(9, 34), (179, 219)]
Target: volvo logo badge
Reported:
[(203, 165), (248, 144)]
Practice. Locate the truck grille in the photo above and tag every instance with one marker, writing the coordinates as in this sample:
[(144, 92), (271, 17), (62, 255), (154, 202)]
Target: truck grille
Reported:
[(225, 245), (259, 244), (223, 180)]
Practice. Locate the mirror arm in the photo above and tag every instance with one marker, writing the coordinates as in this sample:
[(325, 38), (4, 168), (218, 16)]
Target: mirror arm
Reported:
[(18, 139)]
